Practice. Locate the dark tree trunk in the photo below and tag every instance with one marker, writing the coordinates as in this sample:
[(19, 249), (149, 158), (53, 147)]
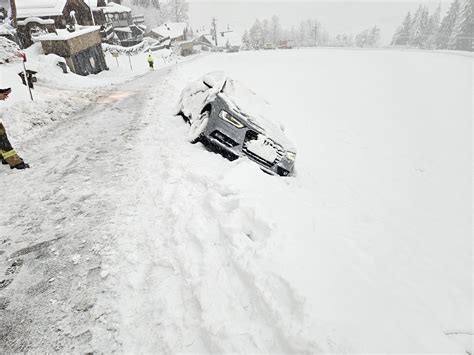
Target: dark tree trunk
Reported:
[(13, 10)]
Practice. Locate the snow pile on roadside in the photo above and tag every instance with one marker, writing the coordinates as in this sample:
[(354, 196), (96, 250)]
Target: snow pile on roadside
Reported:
[(8, 50), (367, 249), (57, 95)]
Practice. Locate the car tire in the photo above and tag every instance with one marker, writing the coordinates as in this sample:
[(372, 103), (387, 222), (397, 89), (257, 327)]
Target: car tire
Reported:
[(198, 127)]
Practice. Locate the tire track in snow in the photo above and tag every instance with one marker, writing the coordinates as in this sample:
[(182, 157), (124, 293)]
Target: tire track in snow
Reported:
[(188, 276), (58, 222)]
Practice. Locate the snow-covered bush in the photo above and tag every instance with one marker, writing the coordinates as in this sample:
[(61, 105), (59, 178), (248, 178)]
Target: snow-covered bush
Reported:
[(134, 50), (8, 50)]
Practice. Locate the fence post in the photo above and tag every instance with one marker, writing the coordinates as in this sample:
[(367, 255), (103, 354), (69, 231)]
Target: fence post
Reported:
[(23, 55)]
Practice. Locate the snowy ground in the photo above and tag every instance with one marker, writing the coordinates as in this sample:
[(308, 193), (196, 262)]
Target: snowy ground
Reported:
[(125, 237)]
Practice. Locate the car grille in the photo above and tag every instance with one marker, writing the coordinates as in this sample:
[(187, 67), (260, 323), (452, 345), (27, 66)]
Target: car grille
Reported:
[(252, 135)]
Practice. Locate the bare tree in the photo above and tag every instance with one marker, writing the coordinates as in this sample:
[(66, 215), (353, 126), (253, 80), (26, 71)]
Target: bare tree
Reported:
[(275, 28)]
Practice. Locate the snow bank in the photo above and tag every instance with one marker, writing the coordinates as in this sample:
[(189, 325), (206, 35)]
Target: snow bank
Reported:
[(367, 249), (57, 95)]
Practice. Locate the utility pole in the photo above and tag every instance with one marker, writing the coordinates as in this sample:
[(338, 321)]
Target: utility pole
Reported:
[(214, 29), (25, 73), (92, 13)]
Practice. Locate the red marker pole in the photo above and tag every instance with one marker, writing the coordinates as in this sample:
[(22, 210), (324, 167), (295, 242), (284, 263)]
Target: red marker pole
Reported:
[(23, 56)]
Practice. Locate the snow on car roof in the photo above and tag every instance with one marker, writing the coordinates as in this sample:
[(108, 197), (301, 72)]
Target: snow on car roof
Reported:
[(39, 8), (170, 29)]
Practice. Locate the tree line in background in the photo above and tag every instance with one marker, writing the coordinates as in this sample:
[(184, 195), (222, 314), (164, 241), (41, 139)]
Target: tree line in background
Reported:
[(158, 12), (428, 31), (308, 33), (368, 38)]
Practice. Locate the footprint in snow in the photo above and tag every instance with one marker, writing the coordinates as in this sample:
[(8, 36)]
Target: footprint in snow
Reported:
[(14, 267)]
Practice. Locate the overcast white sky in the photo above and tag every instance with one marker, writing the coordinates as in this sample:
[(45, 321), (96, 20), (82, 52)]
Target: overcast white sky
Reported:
[(349, 16)]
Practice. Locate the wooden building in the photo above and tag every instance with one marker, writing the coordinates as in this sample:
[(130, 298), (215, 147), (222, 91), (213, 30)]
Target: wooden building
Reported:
[(49, 15), (117, 24), (82, 49)]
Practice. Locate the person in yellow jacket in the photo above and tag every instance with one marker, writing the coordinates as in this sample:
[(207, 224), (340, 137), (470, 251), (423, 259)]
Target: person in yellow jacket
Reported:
[(150, 61), (8, 155)]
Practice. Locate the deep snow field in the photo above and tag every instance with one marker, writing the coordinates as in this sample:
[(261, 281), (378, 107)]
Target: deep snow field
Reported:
[(367, 249)]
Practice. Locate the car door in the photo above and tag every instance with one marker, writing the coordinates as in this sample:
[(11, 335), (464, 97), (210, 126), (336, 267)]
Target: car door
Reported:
[(194, 98)]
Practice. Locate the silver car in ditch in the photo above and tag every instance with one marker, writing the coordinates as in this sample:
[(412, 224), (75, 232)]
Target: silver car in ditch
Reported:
[(226, 115)]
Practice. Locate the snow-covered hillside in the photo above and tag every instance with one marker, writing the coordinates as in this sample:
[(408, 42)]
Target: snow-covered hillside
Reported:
[(155, 244)]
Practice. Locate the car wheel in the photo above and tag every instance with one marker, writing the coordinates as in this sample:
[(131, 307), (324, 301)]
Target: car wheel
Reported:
[(198, 127)]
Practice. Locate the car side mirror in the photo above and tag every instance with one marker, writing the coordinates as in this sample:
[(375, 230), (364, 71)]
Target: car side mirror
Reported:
[(209, 81), (282, 127)]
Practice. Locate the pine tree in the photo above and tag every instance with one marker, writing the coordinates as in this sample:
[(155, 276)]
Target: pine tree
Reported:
[(368, 38), (462, 35), (447, 25), (255, 34), (246, 39), (432, 29), (397, 36), (265, 31), (374, 37), (402, 35), (419, 25), (275, 29)]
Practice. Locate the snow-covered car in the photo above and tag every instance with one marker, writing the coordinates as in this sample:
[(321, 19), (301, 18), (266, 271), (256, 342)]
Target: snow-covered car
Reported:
[(223, 112)]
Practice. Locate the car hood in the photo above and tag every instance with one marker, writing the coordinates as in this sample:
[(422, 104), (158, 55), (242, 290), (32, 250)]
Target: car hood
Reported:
[(255, 114)]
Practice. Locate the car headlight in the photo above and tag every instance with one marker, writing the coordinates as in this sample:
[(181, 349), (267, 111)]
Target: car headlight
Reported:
[(291, 156), (230, 119)]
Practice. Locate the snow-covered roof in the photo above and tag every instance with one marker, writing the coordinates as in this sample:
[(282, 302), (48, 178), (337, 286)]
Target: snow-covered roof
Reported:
[(39, 8), (91, 3), (232, 38), (170, 29), (37, 20), (123, 29), (113, 8), (64, 35)]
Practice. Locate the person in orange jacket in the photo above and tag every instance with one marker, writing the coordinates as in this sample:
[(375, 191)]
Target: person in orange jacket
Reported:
[(8, 155)]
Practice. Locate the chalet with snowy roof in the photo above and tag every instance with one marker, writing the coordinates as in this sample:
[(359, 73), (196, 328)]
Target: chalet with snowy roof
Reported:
[(173, 31), (117, 22), (81, 48), (57, 10), (35, 17), (225, 40)]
